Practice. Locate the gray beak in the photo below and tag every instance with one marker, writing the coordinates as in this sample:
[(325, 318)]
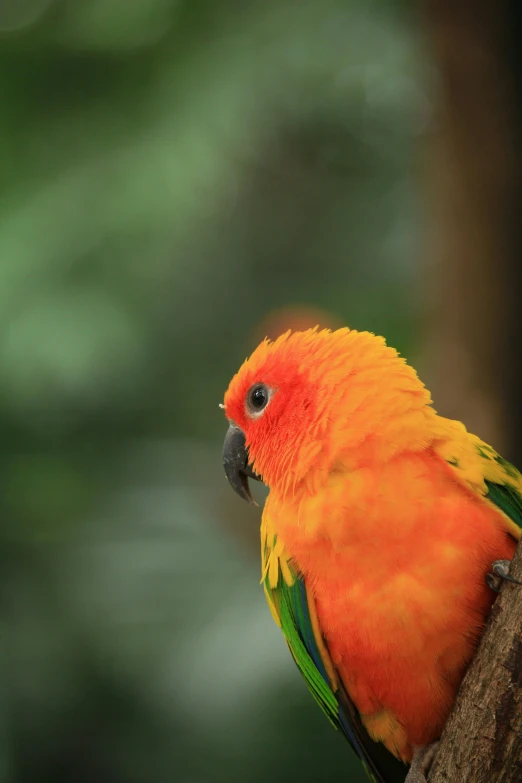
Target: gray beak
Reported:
[(236, 464)]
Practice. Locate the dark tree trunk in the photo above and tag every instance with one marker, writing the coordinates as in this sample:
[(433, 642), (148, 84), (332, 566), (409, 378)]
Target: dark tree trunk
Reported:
[(474, 330), (473, 243)]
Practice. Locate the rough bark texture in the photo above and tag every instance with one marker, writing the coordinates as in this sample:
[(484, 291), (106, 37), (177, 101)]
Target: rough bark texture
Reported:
[(482, 740)]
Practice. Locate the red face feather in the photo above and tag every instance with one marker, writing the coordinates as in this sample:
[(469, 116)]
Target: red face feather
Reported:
[(276, 436)]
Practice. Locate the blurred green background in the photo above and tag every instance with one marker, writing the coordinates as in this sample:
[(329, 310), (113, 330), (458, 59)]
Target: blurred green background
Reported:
[(175, 173)]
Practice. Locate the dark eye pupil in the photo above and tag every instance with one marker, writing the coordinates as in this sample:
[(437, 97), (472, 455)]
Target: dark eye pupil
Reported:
[(259, 397)]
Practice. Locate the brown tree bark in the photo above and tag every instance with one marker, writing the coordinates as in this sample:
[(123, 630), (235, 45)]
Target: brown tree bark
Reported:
[(475, 313)]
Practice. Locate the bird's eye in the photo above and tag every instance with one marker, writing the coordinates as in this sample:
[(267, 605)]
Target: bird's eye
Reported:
[(258, 398)]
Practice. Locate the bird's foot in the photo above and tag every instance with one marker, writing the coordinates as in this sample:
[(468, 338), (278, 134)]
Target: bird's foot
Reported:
[(500, 573), (421, 763)]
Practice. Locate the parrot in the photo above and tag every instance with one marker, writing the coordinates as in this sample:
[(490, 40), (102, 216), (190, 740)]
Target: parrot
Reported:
[(385, 535)]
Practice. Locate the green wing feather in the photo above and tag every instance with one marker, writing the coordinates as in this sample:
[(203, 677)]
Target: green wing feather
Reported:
[(506, 494), (290, 604), (508, 499)]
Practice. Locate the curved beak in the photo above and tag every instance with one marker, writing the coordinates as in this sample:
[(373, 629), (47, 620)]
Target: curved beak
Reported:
[(235, 462)]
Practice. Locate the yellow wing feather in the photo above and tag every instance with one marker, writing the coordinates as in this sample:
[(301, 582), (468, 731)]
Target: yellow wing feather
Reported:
[(474, 463)]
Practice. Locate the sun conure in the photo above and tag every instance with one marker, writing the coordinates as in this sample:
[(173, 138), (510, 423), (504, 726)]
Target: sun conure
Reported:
[(380, 536)]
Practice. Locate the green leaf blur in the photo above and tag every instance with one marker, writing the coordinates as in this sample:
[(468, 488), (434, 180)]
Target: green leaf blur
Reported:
[(173, 172)]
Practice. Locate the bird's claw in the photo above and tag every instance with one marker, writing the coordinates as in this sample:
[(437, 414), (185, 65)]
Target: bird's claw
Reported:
[(421, 763), (500, 573)]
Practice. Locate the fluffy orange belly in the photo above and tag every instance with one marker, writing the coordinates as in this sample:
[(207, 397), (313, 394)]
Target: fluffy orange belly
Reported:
[(402, 621)]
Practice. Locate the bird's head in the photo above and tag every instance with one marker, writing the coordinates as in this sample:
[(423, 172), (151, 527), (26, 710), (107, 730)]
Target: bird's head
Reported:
[(311, 398)]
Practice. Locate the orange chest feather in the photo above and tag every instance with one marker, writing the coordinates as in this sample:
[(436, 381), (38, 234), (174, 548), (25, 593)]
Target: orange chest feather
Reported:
[(397, 561)]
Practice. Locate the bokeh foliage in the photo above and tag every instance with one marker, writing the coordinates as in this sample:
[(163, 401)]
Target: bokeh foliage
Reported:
[(172, 172)]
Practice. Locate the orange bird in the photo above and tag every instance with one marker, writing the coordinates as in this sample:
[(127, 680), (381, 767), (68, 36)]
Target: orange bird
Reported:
[(385, 533)]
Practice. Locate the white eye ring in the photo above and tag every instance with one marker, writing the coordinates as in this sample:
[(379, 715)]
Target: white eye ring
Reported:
[(257, 400)]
